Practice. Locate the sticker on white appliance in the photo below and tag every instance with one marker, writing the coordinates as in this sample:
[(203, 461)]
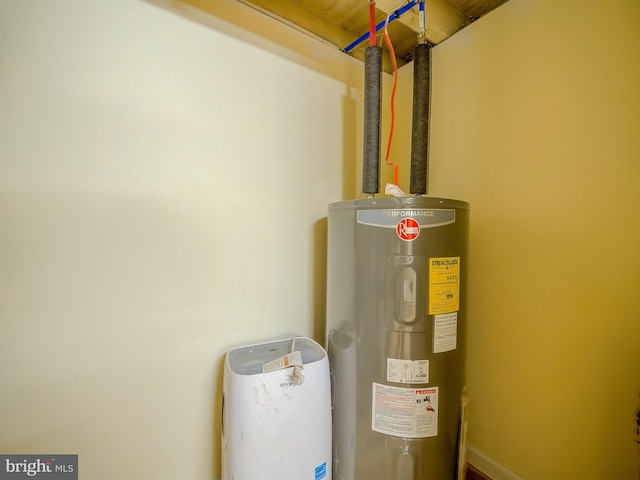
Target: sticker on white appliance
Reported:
[(293, 359), (445, 332), (405, 412), (407, 371)]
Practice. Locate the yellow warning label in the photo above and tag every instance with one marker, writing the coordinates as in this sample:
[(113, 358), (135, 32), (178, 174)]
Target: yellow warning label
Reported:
[(444, 285)]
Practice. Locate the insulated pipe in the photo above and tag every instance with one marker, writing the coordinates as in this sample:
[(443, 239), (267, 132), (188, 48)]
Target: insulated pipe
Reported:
[(420, 121), (372, 108)]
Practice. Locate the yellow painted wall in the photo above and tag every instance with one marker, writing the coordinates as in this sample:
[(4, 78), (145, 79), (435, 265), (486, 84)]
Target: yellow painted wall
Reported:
[(536, 122)]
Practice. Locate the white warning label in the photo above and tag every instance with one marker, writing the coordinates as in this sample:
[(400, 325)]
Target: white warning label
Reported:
[(445, 332), (405, 412), (407, 371)]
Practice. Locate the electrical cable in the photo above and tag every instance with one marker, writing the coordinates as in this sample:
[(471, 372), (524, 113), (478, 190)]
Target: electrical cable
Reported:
[(296, 376), (393, 94)]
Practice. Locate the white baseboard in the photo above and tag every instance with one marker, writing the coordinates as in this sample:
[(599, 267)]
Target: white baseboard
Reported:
[(489, 466)]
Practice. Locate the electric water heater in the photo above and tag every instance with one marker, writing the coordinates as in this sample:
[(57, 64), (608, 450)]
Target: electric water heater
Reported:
[(396, 336), (276, 414)]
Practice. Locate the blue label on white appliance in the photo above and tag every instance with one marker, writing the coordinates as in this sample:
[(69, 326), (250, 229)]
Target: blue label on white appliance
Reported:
[(321, 471)]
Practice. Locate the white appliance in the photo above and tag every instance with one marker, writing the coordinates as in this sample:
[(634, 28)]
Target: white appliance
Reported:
[(276, 414)]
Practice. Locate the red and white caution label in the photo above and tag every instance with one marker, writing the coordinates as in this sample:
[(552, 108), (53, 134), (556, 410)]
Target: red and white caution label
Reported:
[(405, 412)]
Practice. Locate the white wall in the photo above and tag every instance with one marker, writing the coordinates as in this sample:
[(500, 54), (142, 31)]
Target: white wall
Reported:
[(164, 173)]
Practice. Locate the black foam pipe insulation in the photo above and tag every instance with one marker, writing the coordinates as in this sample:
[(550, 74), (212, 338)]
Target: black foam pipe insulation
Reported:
[(372, 109), (420, 120)]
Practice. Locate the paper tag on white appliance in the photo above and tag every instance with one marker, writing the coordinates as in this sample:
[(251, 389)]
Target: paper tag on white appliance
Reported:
[(289, 360)]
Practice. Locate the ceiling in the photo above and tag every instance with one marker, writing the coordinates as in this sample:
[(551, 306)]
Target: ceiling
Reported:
[(341, 22)]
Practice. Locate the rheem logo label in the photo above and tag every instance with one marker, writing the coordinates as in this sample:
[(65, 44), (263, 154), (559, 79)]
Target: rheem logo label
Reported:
[(408, 229)]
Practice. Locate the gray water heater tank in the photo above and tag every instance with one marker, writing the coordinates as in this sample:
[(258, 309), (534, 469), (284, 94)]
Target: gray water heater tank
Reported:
[(396, 334)]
